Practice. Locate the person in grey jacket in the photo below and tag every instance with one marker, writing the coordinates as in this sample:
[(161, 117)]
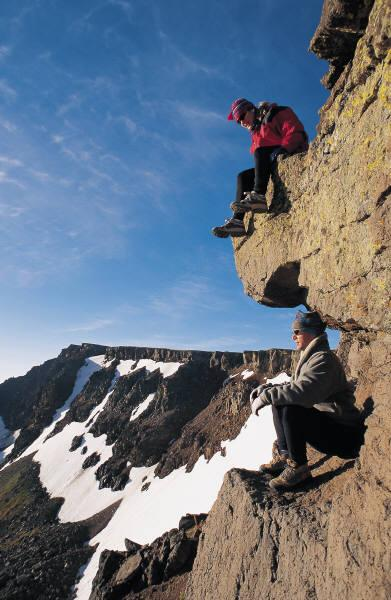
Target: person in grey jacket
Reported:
[(316, 407)]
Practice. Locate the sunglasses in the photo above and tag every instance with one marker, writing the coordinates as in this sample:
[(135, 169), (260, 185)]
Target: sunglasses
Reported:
[(241, 118), (297, 331)]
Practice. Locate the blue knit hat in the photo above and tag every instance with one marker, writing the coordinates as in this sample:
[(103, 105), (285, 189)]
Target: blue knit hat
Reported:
[(309, 322), (238, 108)]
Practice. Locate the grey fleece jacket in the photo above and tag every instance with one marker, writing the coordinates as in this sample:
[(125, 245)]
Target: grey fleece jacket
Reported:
[(319, 382)]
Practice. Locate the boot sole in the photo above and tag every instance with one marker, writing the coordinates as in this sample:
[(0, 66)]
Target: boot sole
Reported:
[(258, 209), (224, 234), (267, 472), (286, 488)]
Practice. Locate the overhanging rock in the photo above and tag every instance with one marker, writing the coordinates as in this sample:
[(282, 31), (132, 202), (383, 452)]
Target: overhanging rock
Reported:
[(326, 242)]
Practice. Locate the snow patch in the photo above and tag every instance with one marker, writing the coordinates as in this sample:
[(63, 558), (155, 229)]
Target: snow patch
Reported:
[(280, 378), (165, 368), (125, 366), (142, 407), (246, 374)]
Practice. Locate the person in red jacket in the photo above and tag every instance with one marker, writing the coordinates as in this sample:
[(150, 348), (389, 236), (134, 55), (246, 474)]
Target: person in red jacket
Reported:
[(274, 130)]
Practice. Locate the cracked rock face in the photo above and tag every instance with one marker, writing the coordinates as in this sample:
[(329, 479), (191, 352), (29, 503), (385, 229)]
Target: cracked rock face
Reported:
[(288, 546), (328, 241)]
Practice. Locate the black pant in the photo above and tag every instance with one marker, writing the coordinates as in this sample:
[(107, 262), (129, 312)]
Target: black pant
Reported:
[(295, 426), (255, 179)]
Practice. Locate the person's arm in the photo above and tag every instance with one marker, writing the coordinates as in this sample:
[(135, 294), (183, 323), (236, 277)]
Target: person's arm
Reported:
[(316, 383), (292, 130)]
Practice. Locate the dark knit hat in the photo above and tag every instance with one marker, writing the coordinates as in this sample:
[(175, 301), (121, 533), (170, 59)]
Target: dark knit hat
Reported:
[(309, 322), (238, 108)]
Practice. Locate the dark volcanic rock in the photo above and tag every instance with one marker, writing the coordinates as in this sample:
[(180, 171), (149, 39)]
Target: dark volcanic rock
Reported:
[(125, 574), (76, 442), (128, 393), (224, 359), (342, 24), (91, 460), (131, 547), (39, 556)]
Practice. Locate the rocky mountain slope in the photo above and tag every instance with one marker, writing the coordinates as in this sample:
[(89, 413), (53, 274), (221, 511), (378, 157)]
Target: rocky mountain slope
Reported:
[(143, 437), (327, 244)]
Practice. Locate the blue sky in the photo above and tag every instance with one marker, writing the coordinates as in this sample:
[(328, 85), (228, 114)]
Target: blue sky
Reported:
[(116, 159)]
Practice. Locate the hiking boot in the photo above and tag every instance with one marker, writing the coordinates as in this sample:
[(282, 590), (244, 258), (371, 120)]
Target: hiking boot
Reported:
[(252, 201), (292, 475), (275, 466), (233, 227)]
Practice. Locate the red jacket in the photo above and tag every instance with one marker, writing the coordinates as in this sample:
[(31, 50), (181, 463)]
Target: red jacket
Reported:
[(280, 127)]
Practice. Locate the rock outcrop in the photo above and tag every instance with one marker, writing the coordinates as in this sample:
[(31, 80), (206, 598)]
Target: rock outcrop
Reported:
[(329, 243), (39, 556), (144, 568), (326, 244)]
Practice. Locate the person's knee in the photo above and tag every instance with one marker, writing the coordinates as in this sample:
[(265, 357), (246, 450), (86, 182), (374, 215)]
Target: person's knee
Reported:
[(245, 174), (293, 413)]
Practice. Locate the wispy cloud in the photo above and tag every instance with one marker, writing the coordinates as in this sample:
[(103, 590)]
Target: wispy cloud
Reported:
[(84, 22), (6, 90), (129, 124), (182, 64), (57, 139), (74, 101), (125, 6), (18, 20), (191, 112), (8, 126), (187, 295), (94, 325), (4, 52), (4, 178), (10, 162), (40, 175), (10, 211)]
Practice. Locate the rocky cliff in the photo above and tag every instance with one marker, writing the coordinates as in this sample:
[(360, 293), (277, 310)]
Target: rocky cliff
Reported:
[(326, 243)]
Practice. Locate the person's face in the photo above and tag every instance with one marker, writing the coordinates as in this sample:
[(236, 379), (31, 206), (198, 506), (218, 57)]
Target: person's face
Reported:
[(302, 339), (247, 119)]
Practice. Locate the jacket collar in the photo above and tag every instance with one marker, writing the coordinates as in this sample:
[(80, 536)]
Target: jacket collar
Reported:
[(263, 117), (319, 344)]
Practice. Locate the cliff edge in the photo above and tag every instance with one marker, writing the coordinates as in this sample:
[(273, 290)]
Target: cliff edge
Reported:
[(325, 243)]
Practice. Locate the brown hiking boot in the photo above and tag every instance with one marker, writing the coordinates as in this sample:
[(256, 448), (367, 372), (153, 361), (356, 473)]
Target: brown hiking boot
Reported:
[(292, 475), (276, 465)]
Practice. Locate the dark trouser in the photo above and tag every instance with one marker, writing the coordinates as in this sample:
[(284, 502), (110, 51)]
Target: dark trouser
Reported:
[(255, 179), (295, 426)]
